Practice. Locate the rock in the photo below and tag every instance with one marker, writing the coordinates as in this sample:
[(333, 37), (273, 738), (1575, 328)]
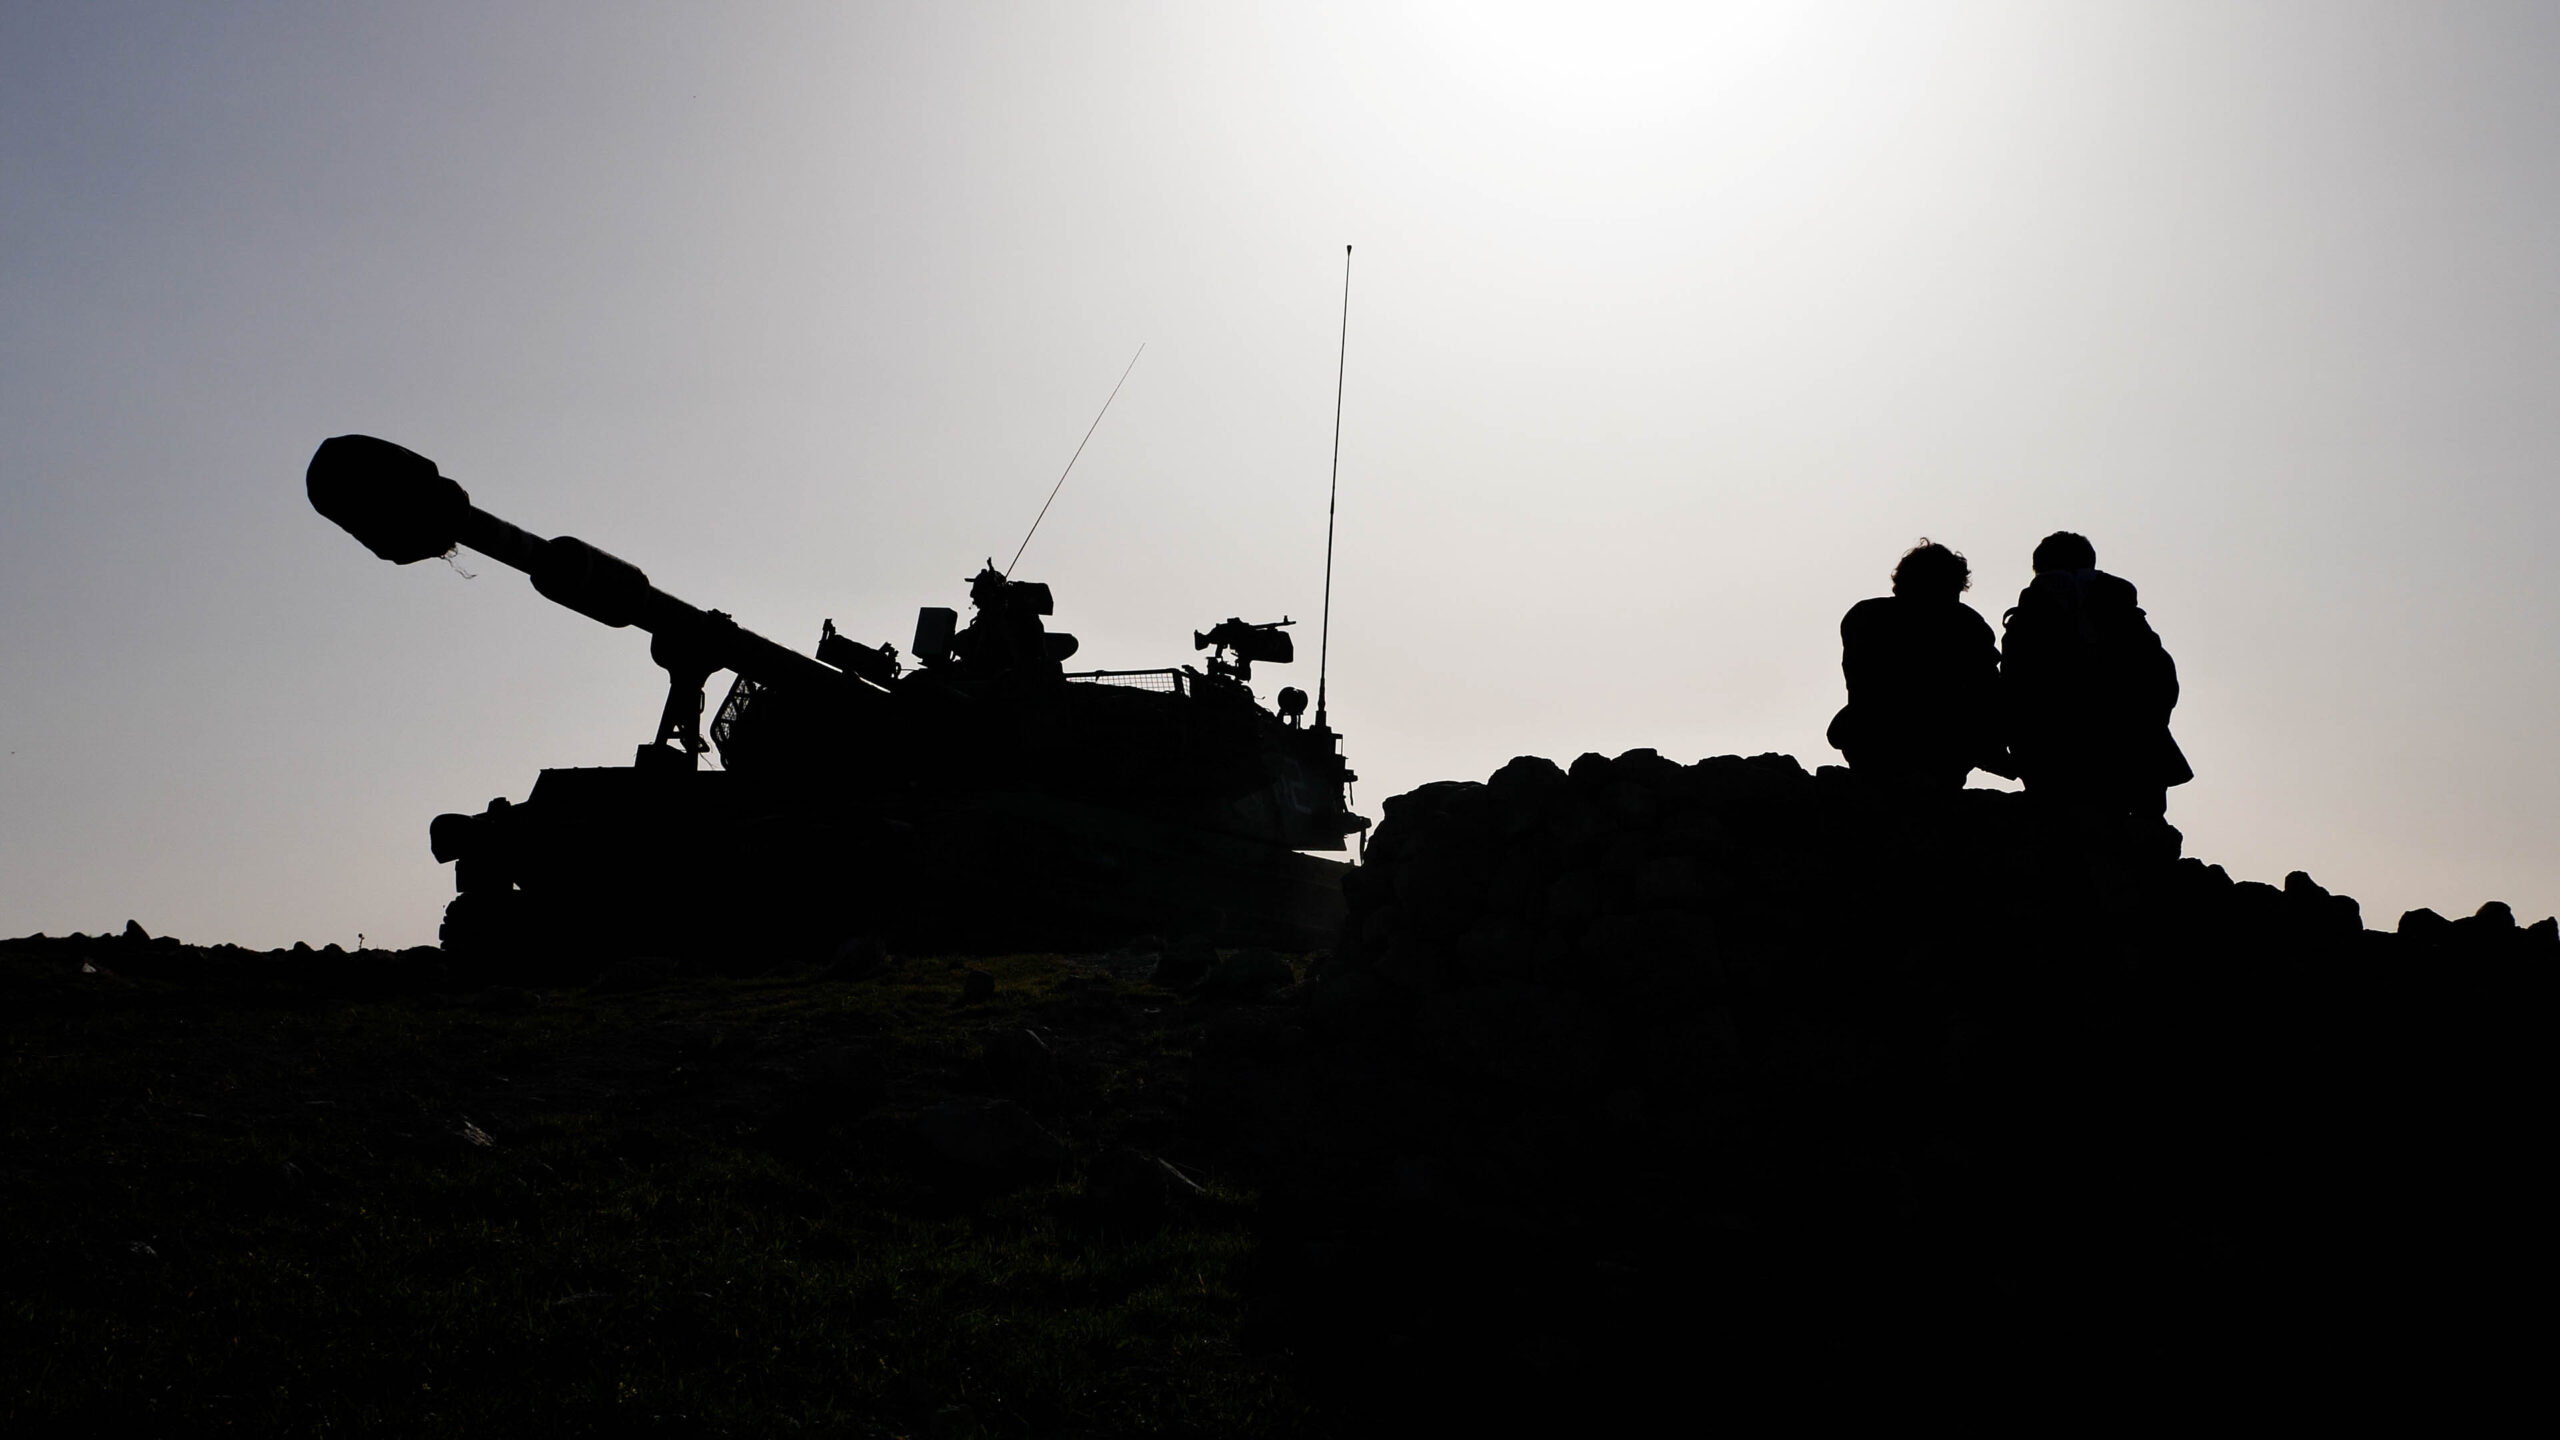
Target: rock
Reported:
[(1647, 768), (1414, 964), (1438, 891), (1519, 793), (1621, 947), (1689, 1056), (2258, 907), (1623, 1111), (989, 1137), (2425, 926), (1417, 1181), (1574, 820), (1356, 1006), (134, 932), (1369, 885), (858, 958), (1419, 807), (1517, 883), (1673, 881), (1697, 834), (1186, 964), (1631, 805), (976, 986), (2319, 911), (1526, 1041), (1621, 853), (1573, 900), (1379, 928), (2199, 883), (1247, 975), (1495, 949)]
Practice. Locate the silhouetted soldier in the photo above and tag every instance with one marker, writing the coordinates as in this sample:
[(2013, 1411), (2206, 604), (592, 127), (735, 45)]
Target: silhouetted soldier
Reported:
[(1923, 672), (2086, 688), (1004, 640)]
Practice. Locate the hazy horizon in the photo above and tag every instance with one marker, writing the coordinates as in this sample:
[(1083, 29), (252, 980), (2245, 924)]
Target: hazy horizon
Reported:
[(1671, 328)]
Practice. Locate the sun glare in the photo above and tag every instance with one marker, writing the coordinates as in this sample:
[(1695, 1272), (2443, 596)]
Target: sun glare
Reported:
[(1603, 68)]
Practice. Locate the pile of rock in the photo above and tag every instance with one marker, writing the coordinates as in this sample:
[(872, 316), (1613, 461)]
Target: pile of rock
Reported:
[(1636, 872), (1702, 1022)]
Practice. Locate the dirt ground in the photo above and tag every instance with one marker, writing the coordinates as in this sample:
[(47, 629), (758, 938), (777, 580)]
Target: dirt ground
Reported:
[(311, 1193)]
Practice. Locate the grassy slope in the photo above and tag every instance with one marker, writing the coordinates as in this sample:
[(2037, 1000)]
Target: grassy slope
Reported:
[(698, 1208)]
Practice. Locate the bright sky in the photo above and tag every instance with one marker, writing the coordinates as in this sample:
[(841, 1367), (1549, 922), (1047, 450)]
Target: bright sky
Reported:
[(1671, 328)]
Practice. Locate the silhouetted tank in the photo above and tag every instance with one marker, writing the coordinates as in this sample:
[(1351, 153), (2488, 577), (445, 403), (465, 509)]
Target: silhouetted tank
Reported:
[(976, 794)]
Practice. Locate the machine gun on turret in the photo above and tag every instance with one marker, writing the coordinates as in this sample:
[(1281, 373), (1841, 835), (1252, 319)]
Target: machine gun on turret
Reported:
[(1268, 642)]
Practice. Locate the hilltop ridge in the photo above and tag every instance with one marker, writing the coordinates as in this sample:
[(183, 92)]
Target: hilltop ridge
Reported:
[(1630, 1082), (1621, 1058)]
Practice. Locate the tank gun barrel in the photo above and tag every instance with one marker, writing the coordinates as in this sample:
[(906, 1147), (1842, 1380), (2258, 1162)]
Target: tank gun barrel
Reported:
[(400, 507)]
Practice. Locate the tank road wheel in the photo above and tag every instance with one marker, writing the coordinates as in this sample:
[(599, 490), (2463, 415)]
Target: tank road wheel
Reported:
[(484, 933)]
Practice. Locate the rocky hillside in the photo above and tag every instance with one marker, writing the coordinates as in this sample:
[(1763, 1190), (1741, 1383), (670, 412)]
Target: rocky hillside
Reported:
[(1620, 1058), (297, 1193), (1638, 1086)]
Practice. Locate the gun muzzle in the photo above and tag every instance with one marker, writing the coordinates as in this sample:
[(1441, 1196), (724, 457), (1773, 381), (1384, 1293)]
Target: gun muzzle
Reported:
[(388, 497)]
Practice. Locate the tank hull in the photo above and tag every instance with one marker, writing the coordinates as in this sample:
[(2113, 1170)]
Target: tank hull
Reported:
[(607, 862)]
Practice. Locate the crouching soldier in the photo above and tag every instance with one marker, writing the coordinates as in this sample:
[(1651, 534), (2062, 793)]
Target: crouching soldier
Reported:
[(2086, 688), (1923, 672)]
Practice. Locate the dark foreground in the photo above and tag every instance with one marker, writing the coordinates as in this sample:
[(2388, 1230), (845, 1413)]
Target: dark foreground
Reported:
[(1757, 1085), (242, 1195), (1694, 1095)]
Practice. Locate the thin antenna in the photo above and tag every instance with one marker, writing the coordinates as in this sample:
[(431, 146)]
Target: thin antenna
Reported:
[(1071, 465), (1333, 488)]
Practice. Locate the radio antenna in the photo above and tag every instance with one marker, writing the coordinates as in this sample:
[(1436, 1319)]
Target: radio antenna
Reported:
[(1071, 466), (1333, 488)]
